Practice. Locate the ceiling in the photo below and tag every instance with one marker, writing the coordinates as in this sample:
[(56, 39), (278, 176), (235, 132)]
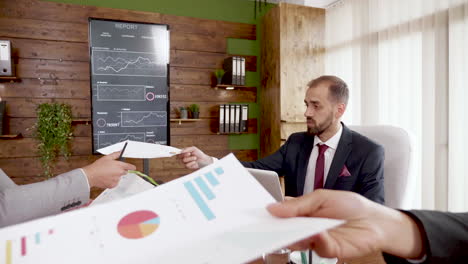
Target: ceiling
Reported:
[(312, 3)]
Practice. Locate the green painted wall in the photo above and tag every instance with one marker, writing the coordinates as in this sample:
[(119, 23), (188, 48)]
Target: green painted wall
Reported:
[(228, 10)]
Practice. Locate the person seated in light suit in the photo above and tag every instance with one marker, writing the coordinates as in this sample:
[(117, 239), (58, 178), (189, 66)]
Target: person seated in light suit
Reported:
[(20, 203)]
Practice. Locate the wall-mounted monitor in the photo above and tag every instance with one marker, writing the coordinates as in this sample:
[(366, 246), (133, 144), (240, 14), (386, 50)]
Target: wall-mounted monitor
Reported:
[(129, 82)]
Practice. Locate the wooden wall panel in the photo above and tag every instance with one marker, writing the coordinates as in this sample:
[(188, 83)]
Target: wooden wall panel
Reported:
[(206, 126), (32, 9), (187, 93), (301, 60), (47, 88), (26, 107), (288, 64), (51, 56), (270, 72)]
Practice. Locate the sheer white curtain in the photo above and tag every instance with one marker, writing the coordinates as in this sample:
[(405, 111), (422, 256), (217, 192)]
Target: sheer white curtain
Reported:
[(406, 64)]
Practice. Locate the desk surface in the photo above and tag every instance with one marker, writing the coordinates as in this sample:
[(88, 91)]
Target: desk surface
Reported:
[(375, 258)]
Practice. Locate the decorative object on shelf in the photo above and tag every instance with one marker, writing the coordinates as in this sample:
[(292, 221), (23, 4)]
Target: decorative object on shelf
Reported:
[(219, 73), (183, 112), (53, 131), (195, 111), (2, 114)]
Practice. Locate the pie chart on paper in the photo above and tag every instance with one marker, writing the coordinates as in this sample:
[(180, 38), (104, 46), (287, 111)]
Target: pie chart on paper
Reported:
[(138, 224)]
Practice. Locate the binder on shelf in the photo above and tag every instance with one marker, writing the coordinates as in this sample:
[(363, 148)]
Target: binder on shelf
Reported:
[(242, 71), (235, 70), (239, 70), (232, 120), (230, 68), (238, 118), (227, 119), (221, 119), (244, 118)]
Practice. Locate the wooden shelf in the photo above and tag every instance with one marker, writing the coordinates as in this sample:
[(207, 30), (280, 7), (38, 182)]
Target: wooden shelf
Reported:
[(13, 136), (180, 120), (232, 86), (294, 122), (233, 133), (9, 79), (81, 120)]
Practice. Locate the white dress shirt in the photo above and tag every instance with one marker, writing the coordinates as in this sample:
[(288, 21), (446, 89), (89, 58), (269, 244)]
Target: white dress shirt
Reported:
[(332, 144)]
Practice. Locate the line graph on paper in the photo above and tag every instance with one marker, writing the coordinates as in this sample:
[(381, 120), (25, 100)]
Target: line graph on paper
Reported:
[(127, 63), (144, 119), (108, 139), (107, 92)]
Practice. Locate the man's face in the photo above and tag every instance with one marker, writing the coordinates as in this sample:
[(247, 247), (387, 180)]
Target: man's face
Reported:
[(321, 112)]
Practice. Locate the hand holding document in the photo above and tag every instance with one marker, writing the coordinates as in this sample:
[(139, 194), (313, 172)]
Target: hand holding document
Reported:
[(141, 150), (214, 215), (129, 184)]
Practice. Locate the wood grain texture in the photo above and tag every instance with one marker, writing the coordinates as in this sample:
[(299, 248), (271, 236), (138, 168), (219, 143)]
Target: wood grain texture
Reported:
[(207, 126), (26, 107), (271, 81), (288, 64), (159, 167), (206, 93), (47, 88), (58, 12), (301, 61), (51, 56)]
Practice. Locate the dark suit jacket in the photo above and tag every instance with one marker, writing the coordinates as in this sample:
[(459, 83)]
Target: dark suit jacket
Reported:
[(446, 237), (362, 157)]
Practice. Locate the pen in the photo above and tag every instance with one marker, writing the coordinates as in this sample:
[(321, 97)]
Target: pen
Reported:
[(122, 152)]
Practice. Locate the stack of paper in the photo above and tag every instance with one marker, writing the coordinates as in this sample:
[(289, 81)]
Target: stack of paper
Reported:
[(129, 184), (214, 215)]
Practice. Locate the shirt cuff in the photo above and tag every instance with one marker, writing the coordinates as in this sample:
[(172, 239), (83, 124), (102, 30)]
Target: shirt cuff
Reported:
[(421, 260), (86, 177)]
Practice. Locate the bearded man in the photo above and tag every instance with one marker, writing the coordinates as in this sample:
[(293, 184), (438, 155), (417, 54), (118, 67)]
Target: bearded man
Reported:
[(329, 155)]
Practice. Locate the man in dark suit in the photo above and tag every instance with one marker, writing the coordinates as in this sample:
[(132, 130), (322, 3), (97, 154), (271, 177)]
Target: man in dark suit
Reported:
[(418, 235), (329, 155)]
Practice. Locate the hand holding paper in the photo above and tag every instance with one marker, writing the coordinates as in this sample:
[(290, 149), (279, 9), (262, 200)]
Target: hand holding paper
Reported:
[(141, 150), (214, 215)]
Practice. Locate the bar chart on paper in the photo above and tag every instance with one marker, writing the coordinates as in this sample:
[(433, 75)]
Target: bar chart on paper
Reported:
[(138, 224), (21, 246), (200, 189)]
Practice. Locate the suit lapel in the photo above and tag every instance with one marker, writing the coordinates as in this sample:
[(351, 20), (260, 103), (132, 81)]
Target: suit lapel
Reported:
[(341, 154), (303, 162)]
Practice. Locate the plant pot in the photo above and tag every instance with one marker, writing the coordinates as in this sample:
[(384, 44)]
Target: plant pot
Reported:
[(195, 115), (183, 114), (219, 80)]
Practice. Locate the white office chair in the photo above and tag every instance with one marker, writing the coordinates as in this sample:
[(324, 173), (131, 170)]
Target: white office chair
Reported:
[(397, 165)]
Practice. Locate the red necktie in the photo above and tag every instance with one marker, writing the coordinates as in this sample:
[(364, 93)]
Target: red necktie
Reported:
[(320, 167)]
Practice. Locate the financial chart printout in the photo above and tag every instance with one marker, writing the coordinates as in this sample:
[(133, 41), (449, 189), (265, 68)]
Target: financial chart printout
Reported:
[(129, 82)]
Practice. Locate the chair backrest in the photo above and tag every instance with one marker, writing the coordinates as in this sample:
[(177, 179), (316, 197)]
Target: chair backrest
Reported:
[(397, 165)]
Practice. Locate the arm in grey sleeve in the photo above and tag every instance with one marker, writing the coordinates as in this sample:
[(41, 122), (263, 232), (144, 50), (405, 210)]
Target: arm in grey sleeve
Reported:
[(19, 203)]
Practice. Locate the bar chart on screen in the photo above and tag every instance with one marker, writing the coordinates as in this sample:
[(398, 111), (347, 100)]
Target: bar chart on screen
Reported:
[(22, 246)]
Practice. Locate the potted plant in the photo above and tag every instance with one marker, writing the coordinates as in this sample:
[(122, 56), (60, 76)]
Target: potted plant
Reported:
[(195, 110), (53, 131), (219, 73), (183, 112)]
